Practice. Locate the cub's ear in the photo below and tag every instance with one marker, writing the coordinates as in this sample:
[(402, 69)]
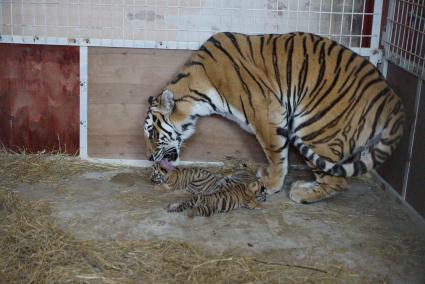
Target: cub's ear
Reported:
[(167, 101)]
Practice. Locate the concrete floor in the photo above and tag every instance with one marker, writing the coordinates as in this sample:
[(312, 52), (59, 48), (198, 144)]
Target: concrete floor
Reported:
[(363, 232)]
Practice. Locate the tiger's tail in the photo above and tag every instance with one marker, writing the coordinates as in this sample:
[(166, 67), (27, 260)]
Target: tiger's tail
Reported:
[(363, 159)]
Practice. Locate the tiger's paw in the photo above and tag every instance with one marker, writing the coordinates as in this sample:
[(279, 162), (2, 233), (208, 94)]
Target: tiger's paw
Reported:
[(262, 172), (271, 187), (308, 192)]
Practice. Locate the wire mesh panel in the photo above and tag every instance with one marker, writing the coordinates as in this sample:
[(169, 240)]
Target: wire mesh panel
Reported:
[(184, 23), (404, 40)]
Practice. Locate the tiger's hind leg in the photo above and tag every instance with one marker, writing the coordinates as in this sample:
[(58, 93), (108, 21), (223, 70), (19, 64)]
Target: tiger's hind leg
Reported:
[(325, 186), (200, 210), (178, 207)]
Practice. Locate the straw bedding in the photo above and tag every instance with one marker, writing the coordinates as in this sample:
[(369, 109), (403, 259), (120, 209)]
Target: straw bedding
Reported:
[(33, 249)]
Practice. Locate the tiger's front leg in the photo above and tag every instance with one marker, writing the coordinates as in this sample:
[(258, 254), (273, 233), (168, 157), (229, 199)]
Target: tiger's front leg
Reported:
[(276, 151)]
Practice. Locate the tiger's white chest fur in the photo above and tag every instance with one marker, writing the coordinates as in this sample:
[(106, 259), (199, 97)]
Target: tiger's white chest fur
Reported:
[(223, 110)]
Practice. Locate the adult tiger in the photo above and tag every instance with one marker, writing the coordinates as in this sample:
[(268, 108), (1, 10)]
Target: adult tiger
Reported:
[(330, 103)]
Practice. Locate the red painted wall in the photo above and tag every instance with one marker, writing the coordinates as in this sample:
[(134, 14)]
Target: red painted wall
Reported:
[(367, 24), (39, 97)]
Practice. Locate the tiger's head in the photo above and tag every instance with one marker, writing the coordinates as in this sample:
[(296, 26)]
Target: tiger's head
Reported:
[(168, 124), (258, 188)]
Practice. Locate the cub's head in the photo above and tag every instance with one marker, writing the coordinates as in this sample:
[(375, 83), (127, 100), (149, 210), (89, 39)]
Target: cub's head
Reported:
[(160, 171), (168, 123), (258, 188), (159, 174)]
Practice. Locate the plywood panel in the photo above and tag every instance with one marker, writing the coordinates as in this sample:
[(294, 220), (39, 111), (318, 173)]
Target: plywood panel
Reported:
[(147, 67), (215, 139), (116, 93), (121, 80), (116, 146), (415, 193), (404, 84), (39, 97), (116, 119)]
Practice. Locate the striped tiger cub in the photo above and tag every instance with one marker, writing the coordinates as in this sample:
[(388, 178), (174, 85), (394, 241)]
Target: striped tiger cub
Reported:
[(296, 89), (196, 180), (245, 195)]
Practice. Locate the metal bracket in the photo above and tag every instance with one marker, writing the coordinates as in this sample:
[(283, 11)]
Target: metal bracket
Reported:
[(376, 57)]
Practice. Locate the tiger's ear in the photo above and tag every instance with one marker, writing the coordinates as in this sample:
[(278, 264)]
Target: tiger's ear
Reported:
[(150, 100), (167, 101)]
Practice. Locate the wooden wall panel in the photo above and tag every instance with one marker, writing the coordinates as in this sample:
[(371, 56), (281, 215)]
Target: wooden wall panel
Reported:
[(404, 84), (39, 97), (121, 80), (395, 170), (415, 193)]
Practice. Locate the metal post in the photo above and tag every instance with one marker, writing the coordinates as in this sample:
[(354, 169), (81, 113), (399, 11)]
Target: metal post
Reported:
[(83, 101)]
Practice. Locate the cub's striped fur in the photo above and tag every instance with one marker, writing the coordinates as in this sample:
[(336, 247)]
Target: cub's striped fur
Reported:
[(197, 180), (301, 89), (235, 196)]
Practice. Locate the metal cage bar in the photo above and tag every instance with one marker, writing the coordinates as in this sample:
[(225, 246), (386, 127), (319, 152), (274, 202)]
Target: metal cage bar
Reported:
[(181, 24), (405, 33)]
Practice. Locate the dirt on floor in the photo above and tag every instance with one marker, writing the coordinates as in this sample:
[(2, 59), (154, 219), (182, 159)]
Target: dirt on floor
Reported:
[(361, 235)]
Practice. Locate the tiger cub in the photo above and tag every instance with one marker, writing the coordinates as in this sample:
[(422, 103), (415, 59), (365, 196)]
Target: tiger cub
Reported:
[(196, 180), (238, 195)]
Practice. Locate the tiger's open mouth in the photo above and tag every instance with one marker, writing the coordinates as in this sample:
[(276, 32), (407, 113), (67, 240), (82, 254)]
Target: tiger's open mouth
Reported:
[(165, 164)]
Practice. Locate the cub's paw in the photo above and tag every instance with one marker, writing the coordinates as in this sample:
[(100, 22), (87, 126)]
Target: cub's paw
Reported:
[(172, 207), (254, 206), (191, 214), (161, 188), (259, 206), (158, 187)]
